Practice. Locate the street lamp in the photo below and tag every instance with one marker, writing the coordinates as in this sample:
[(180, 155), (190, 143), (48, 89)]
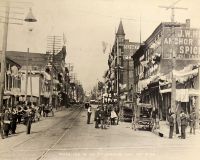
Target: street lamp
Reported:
[(29, 19)]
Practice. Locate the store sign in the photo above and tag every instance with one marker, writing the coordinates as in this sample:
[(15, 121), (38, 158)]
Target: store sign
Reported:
[(131, 46), (184, 44)]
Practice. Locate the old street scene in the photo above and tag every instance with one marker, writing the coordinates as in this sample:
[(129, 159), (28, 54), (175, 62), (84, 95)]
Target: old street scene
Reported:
[(99, 79)]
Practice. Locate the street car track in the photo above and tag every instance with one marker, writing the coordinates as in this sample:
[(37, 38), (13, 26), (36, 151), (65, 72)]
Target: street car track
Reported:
[(41, 132), (73, 118)]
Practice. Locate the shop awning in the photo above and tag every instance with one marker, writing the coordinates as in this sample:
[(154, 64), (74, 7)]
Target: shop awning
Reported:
[(191, 91), (186, 73), (6, 97)]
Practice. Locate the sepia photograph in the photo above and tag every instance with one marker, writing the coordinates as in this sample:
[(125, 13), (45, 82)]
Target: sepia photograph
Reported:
[(99, 79)]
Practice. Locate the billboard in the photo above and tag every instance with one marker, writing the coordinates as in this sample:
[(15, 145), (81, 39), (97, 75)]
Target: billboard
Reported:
[(182, 42)]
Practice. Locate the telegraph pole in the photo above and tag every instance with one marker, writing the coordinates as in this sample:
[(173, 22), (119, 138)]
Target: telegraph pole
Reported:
[(26, 84), (53, 46), (118, 77), (173, 92), (197, 101), (3, 55), (31, 87), (134, 98), (172, 7), (128, 77)]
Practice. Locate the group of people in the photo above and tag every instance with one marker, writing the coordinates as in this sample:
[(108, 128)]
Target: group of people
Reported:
[(185, 120), (25, 113), (104, 115)]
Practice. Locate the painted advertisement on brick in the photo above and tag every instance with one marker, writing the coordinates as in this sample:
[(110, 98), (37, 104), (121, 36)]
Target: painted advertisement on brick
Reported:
[(182, 43)]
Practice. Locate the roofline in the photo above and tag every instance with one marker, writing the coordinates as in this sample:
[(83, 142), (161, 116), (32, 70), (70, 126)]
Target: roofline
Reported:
[(9, 59)]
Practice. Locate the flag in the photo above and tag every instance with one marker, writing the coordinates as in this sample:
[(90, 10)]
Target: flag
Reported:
[(64, 39), (104, 45)]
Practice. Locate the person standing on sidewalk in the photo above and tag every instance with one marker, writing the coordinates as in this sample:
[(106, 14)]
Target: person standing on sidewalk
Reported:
[(13, 124), (89, 112), (97, 118), (6, 118), (117, 110), (192, 121), (1, 124), (171, 120), (113, 117), (183, 118), (103, 117), (19, 114), (29, 120)]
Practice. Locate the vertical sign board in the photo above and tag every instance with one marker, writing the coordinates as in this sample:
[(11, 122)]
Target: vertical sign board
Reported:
[(184, 41), (129, 49)]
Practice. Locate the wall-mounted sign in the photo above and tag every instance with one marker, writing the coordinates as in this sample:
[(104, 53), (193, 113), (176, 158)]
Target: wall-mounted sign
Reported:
[(183, 42)]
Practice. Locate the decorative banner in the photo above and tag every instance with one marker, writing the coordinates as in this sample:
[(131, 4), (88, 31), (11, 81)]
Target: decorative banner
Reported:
[(184, 43), (14, 70)]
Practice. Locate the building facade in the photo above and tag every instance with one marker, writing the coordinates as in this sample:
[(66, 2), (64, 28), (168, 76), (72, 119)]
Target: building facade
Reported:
[(12, 83), (119, 76), (171, 51), (46, 77)]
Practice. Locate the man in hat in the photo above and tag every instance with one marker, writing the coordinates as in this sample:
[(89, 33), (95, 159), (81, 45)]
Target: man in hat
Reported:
[(89, 112), (183, 118), (97, 118), (6, 118), (192, 121), (171, 124), (13, 123)]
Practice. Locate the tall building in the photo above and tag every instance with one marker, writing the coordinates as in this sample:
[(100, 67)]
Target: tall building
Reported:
[(171, 51), (120, 73), (125, 51)]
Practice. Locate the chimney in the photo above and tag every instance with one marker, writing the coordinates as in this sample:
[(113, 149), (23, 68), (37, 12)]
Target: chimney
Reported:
[(187, 23)]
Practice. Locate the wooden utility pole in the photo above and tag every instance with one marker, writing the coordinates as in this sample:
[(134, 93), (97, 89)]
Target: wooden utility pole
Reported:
[(40, 88), (53, 46), (31, 87), (173, 92), (118, 81), (117, 68), (197, 104), (172, 7), (3, 55), (128, 77), (51, 83), (134, 98), (26, 84)]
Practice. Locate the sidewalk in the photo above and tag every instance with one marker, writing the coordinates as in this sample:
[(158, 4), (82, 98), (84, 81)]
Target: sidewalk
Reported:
[(37, 126), (164, 129)]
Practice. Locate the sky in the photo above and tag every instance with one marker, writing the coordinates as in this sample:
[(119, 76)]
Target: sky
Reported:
[(86, 23)]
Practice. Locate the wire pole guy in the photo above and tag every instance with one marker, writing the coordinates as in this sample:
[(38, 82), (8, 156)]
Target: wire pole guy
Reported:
[(6, 19), (172, 7), (3, 55)]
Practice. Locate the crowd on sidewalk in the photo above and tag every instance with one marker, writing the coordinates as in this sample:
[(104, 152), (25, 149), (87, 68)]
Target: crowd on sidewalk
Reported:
[(21, 114), (108, 114), (185, 121), (105, 115)]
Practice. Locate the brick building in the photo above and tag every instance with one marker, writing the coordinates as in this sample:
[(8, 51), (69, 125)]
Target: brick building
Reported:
[(120, 68), (153, 65)]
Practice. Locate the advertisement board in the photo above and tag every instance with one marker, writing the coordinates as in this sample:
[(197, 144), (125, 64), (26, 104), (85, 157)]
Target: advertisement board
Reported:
[(183, 42)]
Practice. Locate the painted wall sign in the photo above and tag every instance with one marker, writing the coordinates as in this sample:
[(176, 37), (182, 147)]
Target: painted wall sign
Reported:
[(184, 42)]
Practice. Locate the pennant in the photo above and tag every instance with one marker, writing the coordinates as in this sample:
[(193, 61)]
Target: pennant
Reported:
[(104, 45)]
